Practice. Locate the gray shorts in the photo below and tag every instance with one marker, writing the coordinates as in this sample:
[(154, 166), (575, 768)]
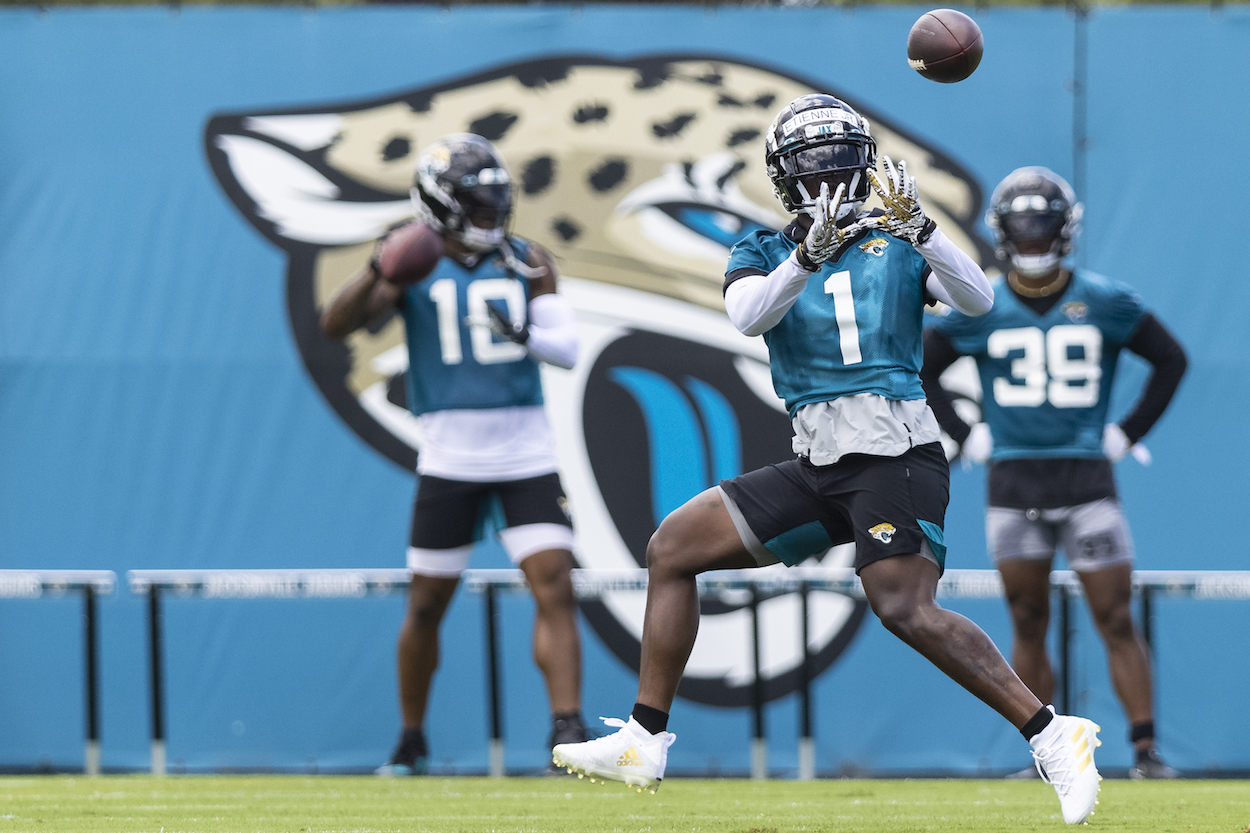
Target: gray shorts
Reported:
[(1094, 535)]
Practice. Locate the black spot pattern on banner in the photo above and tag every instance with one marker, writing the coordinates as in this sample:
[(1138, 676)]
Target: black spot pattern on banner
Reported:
[(650, 77), (542, 73), (566, 228), (538, 174), (590, 112), (493, 127), (608, 175), (713, 78), (733, 171), (420, 102), (396, 148), (727, 100), (741, 137), (673, 127), (765, 101)]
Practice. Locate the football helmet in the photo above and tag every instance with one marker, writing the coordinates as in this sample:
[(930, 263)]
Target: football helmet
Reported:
[(818, 138), (1035, 209), (462, 187)]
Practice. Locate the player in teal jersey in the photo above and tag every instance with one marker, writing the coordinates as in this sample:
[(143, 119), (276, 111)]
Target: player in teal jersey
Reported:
[(1047, 355), (476, 328), (838, 296)]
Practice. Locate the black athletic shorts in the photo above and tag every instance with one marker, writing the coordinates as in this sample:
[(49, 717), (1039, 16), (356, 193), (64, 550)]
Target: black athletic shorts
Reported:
[(888, 506), (455, 513)]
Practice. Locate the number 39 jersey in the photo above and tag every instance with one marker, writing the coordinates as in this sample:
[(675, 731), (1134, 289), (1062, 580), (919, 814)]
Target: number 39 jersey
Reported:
[(855, 328), (452, 365), (1046, 379)]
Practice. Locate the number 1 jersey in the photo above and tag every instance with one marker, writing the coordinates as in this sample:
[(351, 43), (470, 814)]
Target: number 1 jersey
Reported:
[(1046, 379), (855, 328)]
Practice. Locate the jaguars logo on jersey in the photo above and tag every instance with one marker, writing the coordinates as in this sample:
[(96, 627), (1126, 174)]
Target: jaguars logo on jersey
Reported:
[(1077, 311), (875, 246)]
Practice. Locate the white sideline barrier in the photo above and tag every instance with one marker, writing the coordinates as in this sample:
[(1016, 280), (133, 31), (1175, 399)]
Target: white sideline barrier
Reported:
[(590, 584)]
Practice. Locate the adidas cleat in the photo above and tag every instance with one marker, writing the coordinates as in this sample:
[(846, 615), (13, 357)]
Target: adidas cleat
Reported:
[(631, 755), (1064, 755)]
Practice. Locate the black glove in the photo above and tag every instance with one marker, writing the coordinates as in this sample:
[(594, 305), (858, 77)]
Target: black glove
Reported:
[(502, 325)]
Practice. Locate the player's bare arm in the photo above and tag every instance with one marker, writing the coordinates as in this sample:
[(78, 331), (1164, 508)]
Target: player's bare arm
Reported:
[(362, 299)]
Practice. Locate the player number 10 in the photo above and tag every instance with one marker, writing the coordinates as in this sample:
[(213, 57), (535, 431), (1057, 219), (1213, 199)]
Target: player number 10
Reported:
[(1048, 371)]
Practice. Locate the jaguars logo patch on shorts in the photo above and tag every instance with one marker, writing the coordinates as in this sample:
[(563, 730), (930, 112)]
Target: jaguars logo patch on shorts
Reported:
[(883, 532)]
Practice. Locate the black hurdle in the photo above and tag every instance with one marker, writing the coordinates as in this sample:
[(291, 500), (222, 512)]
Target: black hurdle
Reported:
[(158, 685), (806, 741), (91, 651), (494, 683), (759, 751), (1065, 651)]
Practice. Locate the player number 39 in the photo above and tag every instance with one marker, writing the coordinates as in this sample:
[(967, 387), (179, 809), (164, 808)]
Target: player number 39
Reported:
[(1061, 365)]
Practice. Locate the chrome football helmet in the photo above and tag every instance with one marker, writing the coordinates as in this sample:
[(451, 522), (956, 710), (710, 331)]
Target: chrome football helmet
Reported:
[(814, 139), (1035, 209), (462, 187)]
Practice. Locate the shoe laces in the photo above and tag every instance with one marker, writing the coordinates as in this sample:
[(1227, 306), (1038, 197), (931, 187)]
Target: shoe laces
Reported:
[(617, 723), (1063, 767)]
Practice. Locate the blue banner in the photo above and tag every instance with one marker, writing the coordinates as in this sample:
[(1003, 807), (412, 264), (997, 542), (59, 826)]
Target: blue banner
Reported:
[(184, 188)]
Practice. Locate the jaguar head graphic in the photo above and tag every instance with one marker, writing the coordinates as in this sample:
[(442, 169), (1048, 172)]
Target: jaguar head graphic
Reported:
[(639, 175)]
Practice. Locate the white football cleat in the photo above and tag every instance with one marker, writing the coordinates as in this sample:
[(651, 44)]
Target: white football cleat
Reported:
[(1064, 755), (631, 754)]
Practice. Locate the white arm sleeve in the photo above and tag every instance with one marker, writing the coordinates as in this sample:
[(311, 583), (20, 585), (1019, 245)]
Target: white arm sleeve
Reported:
[(553, 331), (956, 279), (757, 302)]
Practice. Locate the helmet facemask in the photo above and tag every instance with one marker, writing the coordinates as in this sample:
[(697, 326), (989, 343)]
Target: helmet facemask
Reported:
[(818, 139), (1034, 216)]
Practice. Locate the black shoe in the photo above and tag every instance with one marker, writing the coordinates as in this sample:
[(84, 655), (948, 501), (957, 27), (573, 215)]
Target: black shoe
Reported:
[(411, 756), (1151, 767), (570, 729)]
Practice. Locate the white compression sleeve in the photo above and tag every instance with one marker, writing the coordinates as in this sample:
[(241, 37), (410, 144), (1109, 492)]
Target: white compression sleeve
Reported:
[(553, 330), (757, 302), (956, 279)]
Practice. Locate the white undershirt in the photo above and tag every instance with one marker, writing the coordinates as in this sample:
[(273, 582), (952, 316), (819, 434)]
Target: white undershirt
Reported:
[(486, 444)]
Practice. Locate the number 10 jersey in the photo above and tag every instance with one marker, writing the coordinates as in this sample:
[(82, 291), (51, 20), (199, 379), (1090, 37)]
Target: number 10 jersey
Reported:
[(1046, 379), (453, 365)]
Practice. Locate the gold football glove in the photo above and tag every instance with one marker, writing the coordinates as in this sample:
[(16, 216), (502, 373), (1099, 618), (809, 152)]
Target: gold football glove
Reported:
[(903, 218)]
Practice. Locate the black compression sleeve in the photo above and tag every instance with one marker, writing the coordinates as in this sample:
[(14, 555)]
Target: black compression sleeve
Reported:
[(940, 354), (1152, 341)]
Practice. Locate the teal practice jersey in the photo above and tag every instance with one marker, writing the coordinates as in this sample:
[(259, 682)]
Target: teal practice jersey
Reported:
[(1046, 379), (453, 365), (855, 328)]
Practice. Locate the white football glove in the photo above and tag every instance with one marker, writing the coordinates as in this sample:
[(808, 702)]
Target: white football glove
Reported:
[(1115, 444), (824, 237), (978, 447), (903, 218)]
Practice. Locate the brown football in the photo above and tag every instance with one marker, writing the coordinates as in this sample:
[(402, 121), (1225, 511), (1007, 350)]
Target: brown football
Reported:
[(944, 45), (410, 253)]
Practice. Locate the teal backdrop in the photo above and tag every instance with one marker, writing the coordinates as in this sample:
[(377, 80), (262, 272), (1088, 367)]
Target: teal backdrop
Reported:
[(156, 411)]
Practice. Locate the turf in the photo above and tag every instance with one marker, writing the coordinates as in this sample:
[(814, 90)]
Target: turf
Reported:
[(319, 804)]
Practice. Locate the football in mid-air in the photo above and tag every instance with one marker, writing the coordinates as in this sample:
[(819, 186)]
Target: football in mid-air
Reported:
[(944, 45), (410, 253)]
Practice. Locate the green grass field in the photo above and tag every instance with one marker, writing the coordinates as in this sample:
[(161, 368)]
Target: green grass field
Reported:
[(319, 804)]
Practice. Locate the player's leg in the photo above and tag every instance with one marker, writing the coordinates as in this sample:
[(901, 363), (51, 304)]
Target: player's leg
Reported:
[(902, 591), (444, 520), (734, 525), (1099, 549), (1022, 545), (418, 646), (697, 537), (539, 539), (897, 507), (557, 648)]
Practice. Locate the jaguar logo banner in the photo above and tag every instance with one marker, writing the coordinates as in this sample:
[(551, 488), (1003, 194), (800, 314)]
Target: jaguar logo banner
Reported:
[(639, 175)]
